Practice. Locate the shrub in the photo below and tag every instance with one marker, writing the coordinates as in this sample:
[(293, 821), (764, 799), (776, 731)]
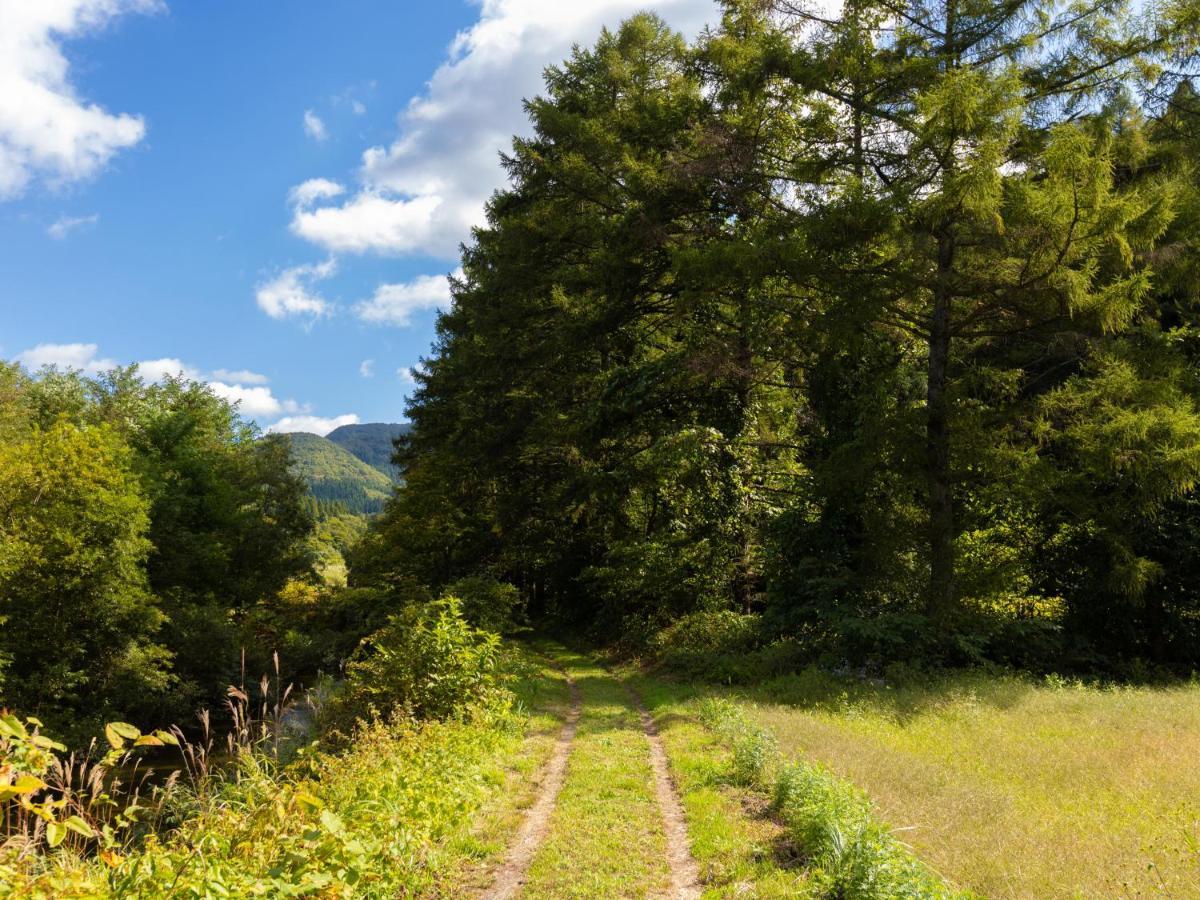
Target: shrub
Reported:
[(428, 660), (708, 644), (489, 604)]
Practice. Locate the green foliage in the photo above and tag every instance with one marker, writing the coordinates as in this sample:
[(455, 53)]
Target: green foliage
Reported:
[(428, 661), (51, 801), (144, 523), (851, 853), (882, 325), (80, 636), (373, 820), (488, 604)]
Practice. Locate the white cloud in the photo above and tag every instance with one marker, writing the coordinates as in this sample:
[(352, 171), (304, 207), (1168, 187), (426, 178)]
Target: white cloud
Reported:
[(243, 387), (406, 375), (239, 376), (255, 402), (373, 223), (394, 304), (359, 107), (290, 292), (312, 424), (424, 192), (367, 368), (314, 127), (83, 357), (47, 129), (160, 369), (67, 224), (306, 194)]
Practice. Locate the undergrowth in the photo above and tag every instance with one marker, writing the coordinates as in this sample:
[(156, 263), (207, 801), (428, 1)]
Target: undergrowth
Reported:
[(851, 855), (373, 813)]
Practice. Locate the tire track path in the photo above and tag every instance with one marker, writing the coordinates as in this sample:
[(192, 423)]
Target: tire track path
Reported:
[(513, 874), (685, 874)]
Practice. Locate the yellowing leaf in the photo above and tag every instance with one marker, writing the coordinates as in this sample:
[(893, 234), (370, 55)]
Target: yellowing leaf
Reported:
[(120, 732), (27, 784), (308, 800)]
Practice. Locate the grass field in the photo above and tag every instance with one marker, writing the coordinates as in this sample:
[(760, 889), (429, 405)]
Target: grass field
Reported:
[(1015, 788)]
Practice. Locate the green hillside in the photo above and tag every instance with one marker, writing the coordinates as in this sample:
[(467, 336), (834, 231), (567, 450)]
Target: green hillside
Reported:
[(372, 442), (338, 480)]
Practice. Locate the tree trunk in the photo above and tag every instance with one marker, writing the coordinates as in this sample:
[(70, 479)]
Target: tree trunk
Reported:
[(941, 597), (743, 580)]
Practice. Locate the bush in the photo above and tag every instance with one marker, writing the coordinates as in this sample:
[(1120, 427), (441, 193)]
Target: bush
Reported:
[(428, 661), (707, 644), (489, 604), (724, 647)]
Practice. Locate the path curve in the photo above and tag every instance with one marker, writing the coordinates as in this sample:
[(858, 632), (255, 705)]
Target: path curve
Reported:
[(685, 874), (515, 871)]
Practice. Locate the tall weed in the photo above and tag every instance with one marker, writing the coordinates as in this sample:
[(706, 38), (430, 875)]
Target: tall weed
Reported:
[(851, 854)]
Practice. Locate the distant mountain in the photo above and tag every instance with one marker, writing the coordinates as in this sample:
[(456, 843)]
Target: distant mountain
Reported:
[(372, 443), (338, 480)]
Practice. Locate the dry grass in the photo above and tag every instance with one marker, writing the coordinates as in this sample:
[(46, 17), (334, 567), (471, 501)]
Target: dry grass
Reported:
[(1014, 788)]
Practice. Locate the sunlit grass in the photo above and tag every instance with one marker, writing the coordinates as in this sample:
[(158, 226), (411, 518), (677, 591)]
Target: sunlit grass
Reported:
[(1016, 788), (606, 834), (742, 851), (512, 782)]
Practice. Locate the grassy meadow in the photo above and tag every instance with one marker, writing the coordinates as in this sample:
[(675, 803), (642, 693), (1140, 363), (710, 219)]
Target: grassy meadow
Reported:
[(1009, 787)]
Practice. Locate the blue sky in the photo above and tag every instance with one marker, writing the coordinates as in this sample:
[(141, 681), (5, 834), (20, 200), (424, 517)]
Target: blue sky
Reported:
[(265, 195)]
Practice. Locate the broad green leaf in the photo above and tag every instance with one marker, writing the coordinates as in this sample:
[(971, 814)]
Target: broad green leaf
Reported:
[(55, 832), (79, 826)]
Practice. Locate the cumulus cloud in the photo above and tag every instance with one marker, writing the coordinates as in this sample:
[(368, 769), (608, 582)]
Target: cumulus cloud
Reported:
[(406, 375), (255, 402), (160, 369), (373, 222), (314, 127), (424, 191), (290, 293), (83, 357), (67, 224), (239, 376), (47, 130), (394, 304), (312, 424), (306, 194), (243, 387), (367, 368)]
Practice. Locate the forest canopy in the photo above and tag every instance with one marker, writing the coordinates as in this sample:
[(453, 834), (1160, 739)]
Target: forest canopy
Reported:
[(881, 327), (143, 528)]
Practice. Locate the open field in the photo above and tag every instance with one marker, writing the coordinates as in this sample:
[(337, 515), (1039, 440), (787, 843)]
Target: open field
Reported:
[(1011, 787)]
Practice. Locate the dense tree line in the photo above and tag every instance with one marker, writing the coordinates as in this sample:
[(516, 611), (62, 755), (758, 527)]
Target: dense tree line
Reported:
[(882, 324), (146, 531)]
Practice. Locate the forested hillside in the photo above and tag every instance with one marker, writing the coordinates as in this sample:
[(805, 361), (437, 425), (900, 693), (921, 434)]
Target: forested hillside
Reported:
[(338, 481), (373, 442)]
